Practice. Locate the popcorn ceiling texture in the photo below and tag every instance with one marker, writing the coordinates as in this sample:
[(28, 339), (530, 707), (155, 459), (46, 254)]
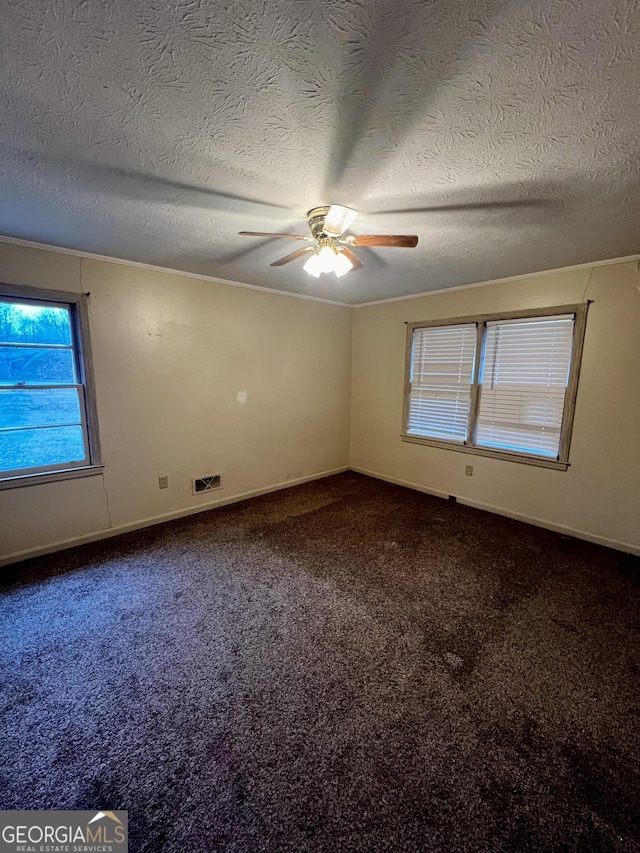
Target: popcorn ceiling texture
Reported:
[(155, 131)]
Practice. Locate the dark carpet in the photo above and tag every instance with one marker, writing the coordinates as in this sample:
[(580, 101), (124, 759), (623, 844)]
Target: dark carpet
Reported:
[(343, 666)]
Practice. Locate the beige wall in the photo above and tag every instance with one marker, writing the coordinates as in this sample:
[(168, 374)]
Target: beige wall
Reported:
[(599, 496), (171, 354)]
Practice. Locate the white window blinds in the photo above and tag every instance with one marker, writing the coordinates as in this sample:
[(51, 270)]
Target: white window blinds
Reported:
[(523, 383), (442, 362)]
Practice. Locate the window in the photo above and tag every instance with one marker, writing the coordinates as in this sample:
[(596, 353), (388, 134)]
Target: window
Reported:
[(496, 385), (48, 424)]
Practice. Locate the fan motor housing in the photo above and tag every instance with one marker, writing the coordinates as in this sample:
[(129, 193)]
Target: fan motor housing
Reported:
[(316, 217)]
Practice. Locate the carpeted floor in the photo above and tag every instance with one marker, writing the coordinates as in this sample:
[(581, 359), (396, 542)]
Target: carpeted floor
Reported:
[(342, 666)]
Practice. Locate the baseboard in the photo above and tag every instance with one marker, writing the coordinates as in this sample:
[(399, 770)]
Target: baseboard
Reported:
[(418, 487), (528, 519), (61, 545)]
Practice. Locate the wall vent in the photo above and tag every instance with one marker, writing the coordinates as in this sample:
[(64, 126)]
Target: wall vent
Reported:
[(206, 484)]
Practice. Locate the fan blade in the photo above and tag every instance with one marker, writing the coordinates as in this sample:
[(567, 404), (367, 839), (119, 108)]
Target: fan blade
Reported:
[(355, 260), (288, 258), (267, 234), (401, 241), (338, 220)]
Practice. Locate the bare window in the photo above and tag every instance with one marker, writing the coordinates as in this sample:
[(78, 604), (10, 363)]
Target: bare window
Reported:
[(47, 411)]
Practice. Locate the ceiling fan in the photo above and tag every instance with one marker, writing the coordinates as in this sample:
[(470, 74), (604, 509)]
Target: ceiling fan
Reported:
[(331, 251)]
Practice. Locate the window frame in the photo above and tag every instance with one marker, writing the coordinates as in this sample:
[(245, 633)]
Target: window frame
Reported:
[(562, 462), (81, 348)]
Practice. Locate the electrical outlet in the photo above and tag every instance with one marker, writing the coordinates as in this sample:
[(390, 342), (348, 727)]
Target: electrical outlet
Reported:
[(163, 482), (469, 470)]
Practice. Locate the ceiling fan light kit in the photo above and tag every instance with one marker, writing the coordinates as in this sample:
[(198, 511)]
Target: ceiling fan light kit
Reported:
[(328, 259), (341, 264), (331, 252)]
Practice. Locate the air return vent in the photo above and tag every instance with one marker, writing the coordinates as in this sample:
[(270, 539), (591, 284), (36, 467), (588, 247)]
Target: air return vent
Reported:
[(206, 484)]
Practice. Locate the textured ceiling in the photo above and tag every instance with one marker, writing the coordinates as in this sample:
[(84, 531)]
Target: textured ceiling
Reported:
[(505, 134)]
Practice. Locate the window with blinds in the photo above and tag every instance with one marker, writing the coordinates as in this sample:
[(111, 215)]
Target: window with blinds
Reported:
[(440, 383), (523, 384), (500, 386)]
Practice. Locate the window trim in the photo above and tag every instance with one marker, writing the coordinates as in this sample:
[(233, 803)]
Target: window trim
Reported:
[(562, 463), (82, 354)]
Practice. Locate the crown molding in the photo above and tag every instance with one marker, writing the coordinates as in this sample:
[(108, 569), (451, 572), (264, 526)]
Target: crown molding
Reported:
[(32, 244), (589, 265)]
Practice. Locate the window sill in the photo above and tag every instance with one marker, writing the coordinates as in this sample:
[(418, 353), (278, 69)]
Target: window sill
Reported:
[(540, 462), (50, 477)]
